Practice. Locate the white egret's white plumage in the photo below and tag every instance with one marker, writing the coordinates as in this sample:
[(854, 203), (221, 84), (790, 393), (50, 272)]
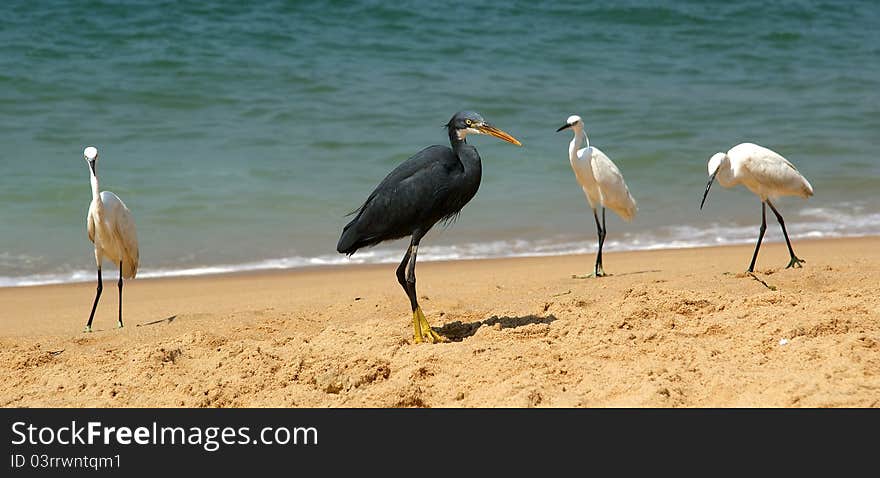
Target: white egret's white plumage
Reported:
[(600, 179), (765, 173), (111, 228)]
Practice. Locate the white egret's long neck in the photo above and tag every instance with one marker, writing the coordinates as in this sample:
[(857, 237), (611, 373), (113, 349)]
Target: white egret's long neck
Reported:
[(725, 175), (96, 192), (578, 142)]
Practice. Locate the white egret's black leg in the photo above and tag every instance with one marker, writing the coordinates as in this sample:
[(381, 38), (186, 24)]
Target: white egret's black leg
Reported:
[(794, 262), (600, 230), (120, 296), (95, 305), (760, 235), (421, 328), (599, 271)]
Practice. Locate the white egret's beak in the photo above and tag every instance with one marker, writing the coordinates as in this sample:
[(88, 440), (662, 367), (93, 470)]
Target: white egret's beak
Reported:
[(711, 180)]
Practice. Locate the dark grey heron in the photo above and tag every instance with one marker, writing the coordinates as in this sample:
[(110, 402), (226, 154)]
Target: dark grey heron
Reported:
[(431, 186)]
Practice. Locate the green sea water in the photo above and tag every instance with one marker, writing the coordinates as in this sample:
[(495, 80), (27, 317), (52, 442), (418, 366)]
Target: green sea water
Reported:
[(241, 134)]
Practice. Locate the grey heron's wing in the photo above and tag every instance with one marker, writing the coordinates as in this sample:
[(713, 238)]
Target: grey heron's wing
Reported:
[(411, 196)]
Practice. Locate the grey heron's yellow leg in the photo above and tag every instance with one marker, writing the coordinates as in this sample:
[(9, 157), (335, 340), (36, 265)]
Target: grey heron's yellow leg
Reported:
[(417, 327), (408, 281), (428, 333), (421, 328), (402, 280)]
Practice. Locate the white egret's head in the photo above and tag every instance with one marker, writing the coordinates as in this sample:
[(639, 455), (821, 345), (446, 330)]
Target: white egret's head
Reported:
[(573, 121), (91, 156), (716, 162)]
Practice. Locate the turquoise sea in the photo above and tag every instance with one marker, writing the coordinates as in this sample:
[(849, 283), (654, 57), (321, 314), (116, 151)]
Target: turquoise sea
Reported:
[(241, 134)]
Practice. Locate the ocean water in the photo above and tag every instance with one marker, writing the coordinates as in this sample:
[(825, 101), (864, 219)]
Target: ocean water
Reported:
[(241, 134)]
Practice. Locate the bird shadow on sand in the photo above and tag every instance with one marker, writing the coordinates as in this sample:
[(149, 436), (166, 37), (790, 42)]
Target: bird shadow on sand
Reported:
[(638, 272), (166, 320), (458, 331), (619, 274)]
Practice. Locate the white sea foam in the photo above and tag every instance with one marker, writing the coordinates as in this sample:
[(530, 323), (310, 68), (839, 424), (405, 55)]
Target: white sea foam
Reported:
[(813, 223)]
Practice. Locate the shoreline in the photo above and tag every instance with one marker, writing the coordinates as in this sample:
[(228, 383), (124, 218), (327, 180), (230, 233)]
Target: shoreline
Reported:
[(668, 328), (307, 267)]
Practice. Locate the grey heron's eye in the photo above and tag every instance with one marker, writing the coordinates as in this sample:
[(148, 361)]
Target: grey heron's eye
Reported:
[(467, 122)]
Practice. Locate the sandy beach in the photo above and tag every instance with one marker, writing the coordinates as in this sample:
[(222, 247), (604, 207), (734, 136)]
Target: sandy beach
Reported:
[(669, 328)]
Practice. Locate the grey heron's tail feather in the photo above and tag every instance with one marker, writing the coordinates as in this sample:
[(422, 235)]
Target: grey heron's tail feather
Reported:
[(353, 238), (350, 240), (360, 209), (450, 219), (350, 243)]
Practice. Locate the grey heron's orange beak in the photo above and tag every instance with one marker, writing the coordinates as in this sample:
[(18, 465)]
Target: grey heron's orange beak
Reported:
[(486, 128), (711, 180)]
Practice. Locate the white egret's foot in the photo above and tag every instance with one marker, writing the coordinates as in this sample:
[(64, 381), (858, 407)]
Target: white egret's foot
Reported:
[(599, 273), (87, 329), (119, 324), (795, 262), (422, 330)]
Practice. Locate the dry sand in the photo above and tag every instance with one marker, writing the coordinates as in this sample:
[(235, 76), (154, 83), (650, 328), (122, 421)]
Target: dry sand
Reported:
[(668, 328)]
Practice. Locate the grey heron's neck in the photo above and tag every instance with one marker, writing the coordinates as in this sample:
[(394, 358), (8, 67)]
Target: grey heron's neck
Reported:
[(466, 153), (456, 137)]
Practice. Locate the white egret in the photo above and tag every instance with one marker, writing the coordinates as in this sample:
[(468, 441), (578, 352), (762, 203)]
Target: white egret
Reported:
[(766, 174), (601, 181), (111, 228)]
